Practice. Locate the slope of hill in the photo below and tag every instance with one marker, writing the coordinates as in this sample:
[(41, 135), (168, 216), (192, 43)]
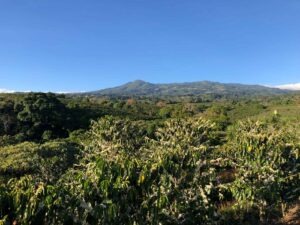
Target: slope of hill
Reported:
[(142, 88)]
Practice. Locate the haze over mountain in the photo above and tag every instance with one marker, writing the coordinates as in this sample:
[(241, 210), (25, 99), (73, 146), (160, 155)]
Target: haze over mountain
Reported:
[(143, 88)]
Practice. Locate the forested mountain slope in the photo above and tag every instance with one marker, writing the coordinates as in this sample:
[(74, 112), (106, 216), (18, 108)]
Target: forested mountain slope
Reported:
[(142, 88)]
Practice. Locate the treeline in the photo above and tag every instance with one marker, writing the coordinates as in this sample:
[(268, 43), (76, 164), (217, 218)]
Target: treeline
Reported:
[(40, 116), (46, 116)]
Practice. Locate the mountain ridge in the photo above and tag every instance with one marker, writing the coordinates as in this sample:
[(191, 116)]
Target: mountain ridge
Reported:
[(148, 89), (144, 88)]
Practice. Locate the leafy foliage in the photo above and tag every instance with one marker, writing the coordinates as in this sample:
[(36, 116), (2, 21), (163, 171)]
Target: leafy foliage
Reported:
[(266, 159), (152, 161), (49, 160)]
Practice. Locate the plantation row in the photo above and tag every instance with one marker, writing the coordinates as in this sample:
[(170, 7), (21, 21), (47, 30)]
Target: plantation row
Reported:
[(185, 172)]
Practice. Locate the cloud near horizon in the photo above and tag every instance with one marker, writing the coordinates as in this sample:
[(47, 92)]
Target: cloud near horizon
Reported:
[(3, 90), (295, 86)]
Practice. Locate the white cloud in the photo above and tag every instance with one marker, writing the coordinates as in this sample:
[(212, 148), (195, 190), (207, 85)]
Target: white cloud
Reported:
[(66, 92), (61, 92), (2, 90), (295, 86)]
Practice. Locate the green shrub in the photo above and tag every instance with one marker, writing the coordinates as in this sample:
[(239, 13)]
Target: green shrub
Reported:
[(266, 159)]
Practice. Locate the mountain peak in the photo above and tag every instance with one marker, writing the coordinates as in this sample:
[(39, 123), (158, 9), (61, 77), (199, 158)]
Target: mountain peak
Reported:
[(137, 84), (139, 81)]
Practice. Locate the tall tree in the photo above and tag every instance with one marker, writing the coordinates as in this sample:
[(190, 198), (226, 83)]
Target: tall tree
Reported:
[(42, 115)]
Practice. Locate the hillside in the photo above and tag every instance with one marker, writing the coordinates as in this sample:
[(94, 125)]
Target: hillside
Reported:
[(142, 88)]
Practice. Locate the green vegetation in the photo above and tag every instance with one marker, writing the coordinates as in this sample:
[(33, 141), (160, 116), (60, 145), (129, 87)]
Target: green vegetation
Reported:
[(179, 160)]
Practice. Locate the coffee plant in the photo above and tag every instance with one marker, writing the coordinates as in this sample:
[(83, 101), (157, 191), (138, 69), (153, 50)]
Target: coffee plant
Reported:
[(180, 174), (266, 161)]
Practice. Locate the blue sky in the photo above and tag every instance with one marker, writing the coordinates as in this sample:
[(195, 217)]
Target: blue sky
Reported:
[(78, 45)]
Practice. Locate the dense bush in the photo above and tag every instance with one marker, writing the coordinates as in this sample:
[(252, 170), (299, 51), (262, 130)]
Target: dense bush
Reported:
[(175, 174), (49, 160), (267, 166), (127, 178)]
